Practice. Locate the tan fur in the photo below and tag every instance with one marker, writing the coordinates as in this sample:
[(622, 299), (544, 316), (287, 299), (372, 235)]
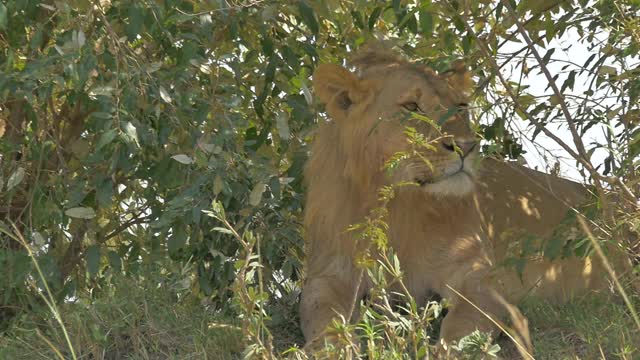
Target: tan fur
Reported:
[(445, 232), (517, 201)]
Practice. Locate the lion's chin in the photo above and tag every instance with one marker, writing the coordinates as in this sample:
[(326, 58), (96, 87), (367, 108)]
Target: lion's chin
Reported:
[(458, 184)]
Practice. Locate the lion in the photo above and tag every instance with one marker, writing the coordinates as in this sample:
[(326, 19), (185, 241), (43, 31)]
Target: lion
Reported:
[(449, 228)]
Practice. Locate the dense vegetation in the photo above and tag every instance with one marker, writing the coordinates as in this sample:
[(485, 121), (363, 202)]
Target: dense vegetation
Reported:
[(152, 151)]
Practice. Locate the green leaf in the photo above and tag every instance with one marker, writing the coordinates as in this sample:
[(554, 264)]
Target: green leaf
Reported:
[(374, 17), (218, 185), (426, 22), (218, 209), (553, 247), (586, 63), (164, 95), (136, 22), (132, 132), (92, 257), (178, 239), (548, 55), (4, 19), (104, 192), (267, 46), (269, 13), (308, 17), (81, 213), (256, 194), (15, 178), (282, 123), (106, 138), (114, 260), (607, 70), (450, 112), (78, 39), (38, 240), (182, 159), (571, 79), (357, 19), (36, 39), (223, 230)]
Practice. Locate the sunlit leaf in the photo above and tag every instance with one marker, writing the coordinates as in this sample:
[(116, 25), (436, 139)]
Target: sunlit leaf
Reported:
[(15, 178), (165, 95), (607, 70), (38, 240), (81, 213), (182, 159), (282, 123), (256, 194), (131, 132), (78, 39), (223, 230)]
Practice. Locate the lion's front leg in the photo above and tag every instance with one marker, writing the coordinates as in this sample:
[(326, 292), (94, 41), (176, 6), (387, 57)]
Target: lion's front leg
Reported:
[(463, 317), (325, 298), (481, 304)]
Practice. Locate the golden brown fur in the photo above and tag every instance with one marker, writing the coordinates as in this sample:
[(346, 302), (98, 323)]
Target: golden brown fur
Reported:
[(516, 202), (444, 231)]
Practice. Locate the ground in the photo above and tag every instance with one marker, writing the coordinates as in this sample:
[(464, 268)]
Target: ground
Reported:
[(137, 320)]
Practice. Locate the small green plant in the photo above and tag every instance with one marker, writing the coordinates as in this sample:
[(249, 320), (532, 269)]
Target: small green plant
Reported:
[(250, 296), (477, 345)]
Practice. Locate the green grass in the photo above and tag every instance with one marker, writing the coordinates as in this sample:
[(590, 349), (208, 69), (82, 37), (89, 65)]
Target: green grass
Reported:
[(132, 320), (594, 327), (149, 319)]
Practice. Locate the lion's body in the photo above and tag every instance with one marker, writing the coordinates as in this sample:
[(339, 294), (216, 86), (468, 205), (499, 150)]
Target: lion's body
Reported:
[(450, 231), (516, 202)]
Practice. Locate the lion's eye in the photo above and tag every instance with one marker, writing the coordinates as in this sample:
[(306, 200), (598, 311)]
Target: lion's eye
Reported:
[(411, 106)]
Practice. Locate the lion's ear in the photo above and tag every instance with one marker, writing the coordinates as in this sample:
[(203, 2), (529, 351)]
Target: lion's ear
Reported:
[(337, 87), (459, 77)]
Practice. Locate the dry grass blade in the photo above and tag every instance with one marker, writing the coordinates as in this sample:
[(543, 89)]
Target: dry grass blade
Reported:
[(610, 271), (53, 347)]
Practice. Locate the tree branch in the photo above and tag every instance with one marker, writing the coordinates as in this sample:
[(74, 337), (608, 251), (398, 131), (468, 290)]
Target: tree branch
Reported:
[(577, 140)]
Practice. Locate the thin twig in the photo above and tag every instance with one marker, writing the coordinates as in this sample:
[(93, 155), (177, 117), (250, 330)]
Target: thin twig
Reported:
[(563, 105), (577, 139), (505, 83), (583, 160)]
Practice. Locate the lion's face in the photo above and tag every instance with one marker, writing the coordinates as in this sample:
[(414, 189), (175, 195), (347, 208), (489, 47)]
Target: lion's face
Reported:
[(375, 114)]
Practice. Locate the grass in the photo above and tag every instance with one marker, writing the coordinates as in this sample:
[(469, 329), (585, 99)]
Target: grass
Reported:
[(594, 327), (146, 319), (133, 319)]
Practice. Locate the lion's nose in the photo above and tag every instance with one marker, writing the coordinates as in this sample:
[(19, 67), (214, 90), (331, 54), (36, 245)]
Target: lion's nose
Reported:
[(465, 146)]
